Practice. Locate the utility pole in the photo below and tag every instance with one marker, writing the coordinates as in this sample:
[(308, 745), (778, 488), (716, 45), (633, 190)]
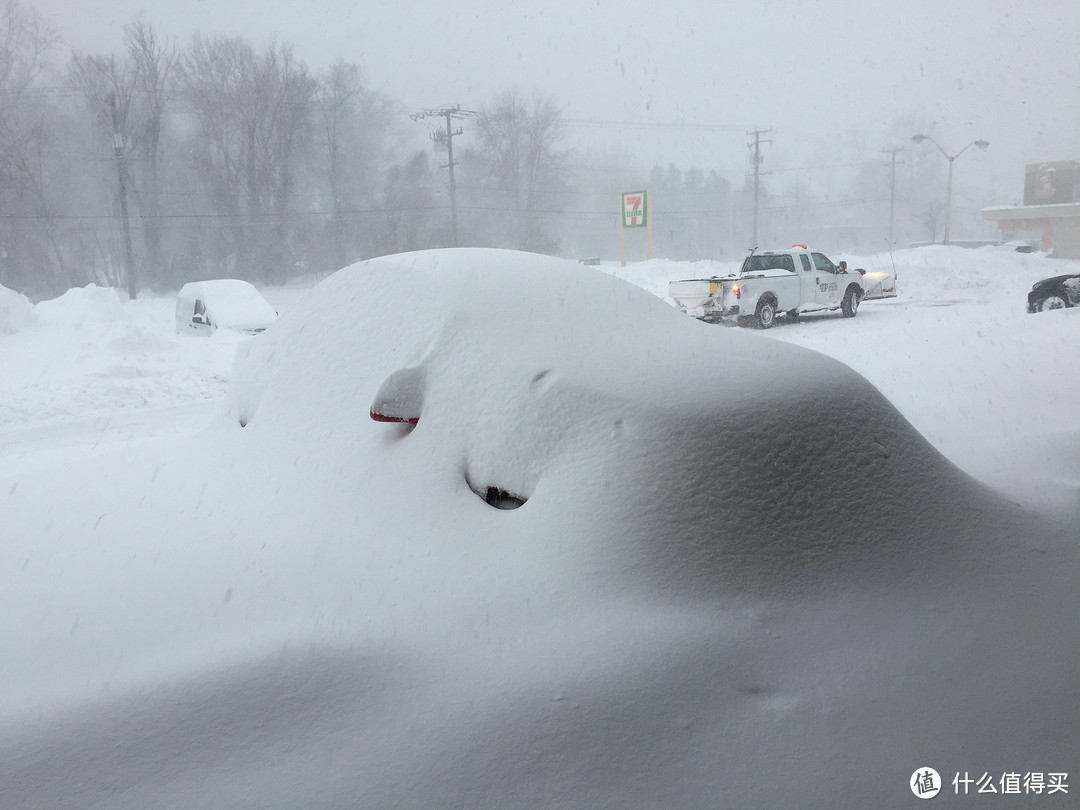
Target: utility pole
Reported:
[(892, 189), (756, 159), (444, 139), (118, 149)]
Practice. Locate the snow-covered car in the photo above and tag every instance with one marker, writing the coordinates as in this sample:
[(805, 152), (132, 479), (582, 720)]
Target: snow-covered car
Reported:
[(692, 605), (1058, 292), (1016, 246), (225, 303)]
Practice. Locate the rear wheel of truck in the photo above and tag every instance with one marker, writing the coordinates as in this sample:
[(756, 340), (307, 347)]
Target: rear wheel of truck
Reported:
[(850, 305), (765, 315)]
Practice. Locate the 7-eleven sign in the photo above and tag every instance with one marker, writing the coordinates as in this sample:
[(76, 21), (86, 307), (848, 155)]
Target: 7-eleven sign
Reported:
[(635, 209)]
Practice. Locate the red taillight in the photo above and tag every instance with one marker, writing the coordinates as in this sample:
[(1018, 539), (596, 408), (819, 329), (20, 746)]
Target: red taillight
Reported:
[(385, 417), (735, 289)]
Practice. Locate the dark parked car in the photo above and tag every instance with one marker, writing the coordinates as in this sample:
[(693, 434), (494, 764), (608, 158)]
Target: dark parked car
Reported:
[(1058, 292)]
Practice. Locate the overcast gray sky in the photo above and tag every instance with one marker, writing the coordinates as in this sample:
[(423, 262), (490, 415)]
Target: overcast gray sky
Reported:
[(1007, 72)]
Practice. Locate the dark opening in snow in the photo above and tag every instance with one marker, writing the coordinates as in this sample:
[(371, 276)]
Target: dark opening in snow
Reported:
[(497, 496), (501, 499)]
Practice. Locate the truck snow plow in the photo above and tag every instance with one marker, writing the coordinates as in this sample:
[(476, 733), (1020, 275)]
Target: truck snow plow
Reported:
[(879, 284)]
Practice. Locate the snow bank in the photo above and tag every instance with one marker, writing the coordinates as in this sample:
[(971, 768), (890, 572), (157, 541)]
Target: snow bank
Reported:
[(654, 275), (91, 352), (740, 577), (86, 306), (987, 383), (16, 312), (990, 385)]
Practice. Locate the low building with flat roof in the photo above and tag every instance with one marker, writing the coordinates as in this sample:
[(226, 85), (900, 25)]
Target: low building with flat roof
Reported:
[(1051, 206)]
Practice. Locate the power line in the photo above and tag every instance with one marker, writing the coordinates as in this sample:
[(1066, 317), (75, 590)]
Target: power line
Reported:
[(593, 123)]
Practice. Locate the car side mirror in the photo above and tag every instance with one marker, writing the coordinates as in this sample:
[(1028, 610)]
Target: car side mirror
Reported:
[(199, 319), (843, 266)]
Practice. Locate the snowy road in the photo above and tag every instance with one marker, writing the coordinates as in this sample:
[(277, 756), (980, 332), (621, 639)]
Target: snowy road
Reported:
[(59, 440)]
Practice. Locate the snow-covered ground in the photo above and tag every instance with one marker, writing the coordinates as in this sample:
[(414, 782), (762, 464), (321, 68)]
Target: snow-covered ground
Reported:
[(992, 387), (91, 371), (741, 577)]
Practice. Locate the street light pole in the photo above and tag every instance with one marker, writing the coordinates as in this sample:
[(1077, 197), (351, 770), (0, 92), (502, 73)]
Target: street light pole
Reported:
[(948, 192)]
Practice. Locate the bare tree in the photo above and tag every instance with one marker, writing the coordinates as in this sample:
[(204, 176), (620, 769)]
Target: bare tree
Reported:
[(155, 66), (214, 74), (253, 114), (128, 98), (519, 164), (26, 39), (354, 123), (337, 93), (108, 87), (408, 202)]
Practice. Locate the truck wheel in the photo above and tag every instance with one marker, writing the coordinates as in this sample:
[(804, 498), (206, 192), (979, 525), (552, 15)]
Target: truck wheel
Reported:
[(765, 314), (850, 305)]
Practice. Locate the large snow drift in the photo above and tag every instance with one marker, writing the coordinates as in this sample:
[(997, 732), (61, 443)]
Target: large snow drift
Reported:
[(16, 312), (696, 605)]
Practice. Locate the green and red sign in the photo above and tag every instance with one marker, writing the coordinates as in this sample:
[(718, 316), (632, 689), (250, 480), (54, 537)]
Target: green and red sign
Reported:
[(635, 209)]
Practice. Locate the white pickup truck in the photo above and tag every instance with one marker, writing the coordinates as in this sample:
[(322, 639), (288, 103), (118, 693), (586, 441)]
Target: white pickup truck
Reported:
[(789, 281)]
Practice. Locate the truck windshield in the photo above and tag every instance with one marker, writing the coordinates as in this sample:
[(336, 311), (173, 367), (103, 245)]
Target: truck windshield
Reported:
[(765, 261)]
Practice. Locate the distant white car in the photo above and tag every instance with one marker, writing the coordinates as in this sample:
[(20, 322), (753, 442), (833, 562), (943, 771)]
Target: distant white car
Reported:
[(227, 303)]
